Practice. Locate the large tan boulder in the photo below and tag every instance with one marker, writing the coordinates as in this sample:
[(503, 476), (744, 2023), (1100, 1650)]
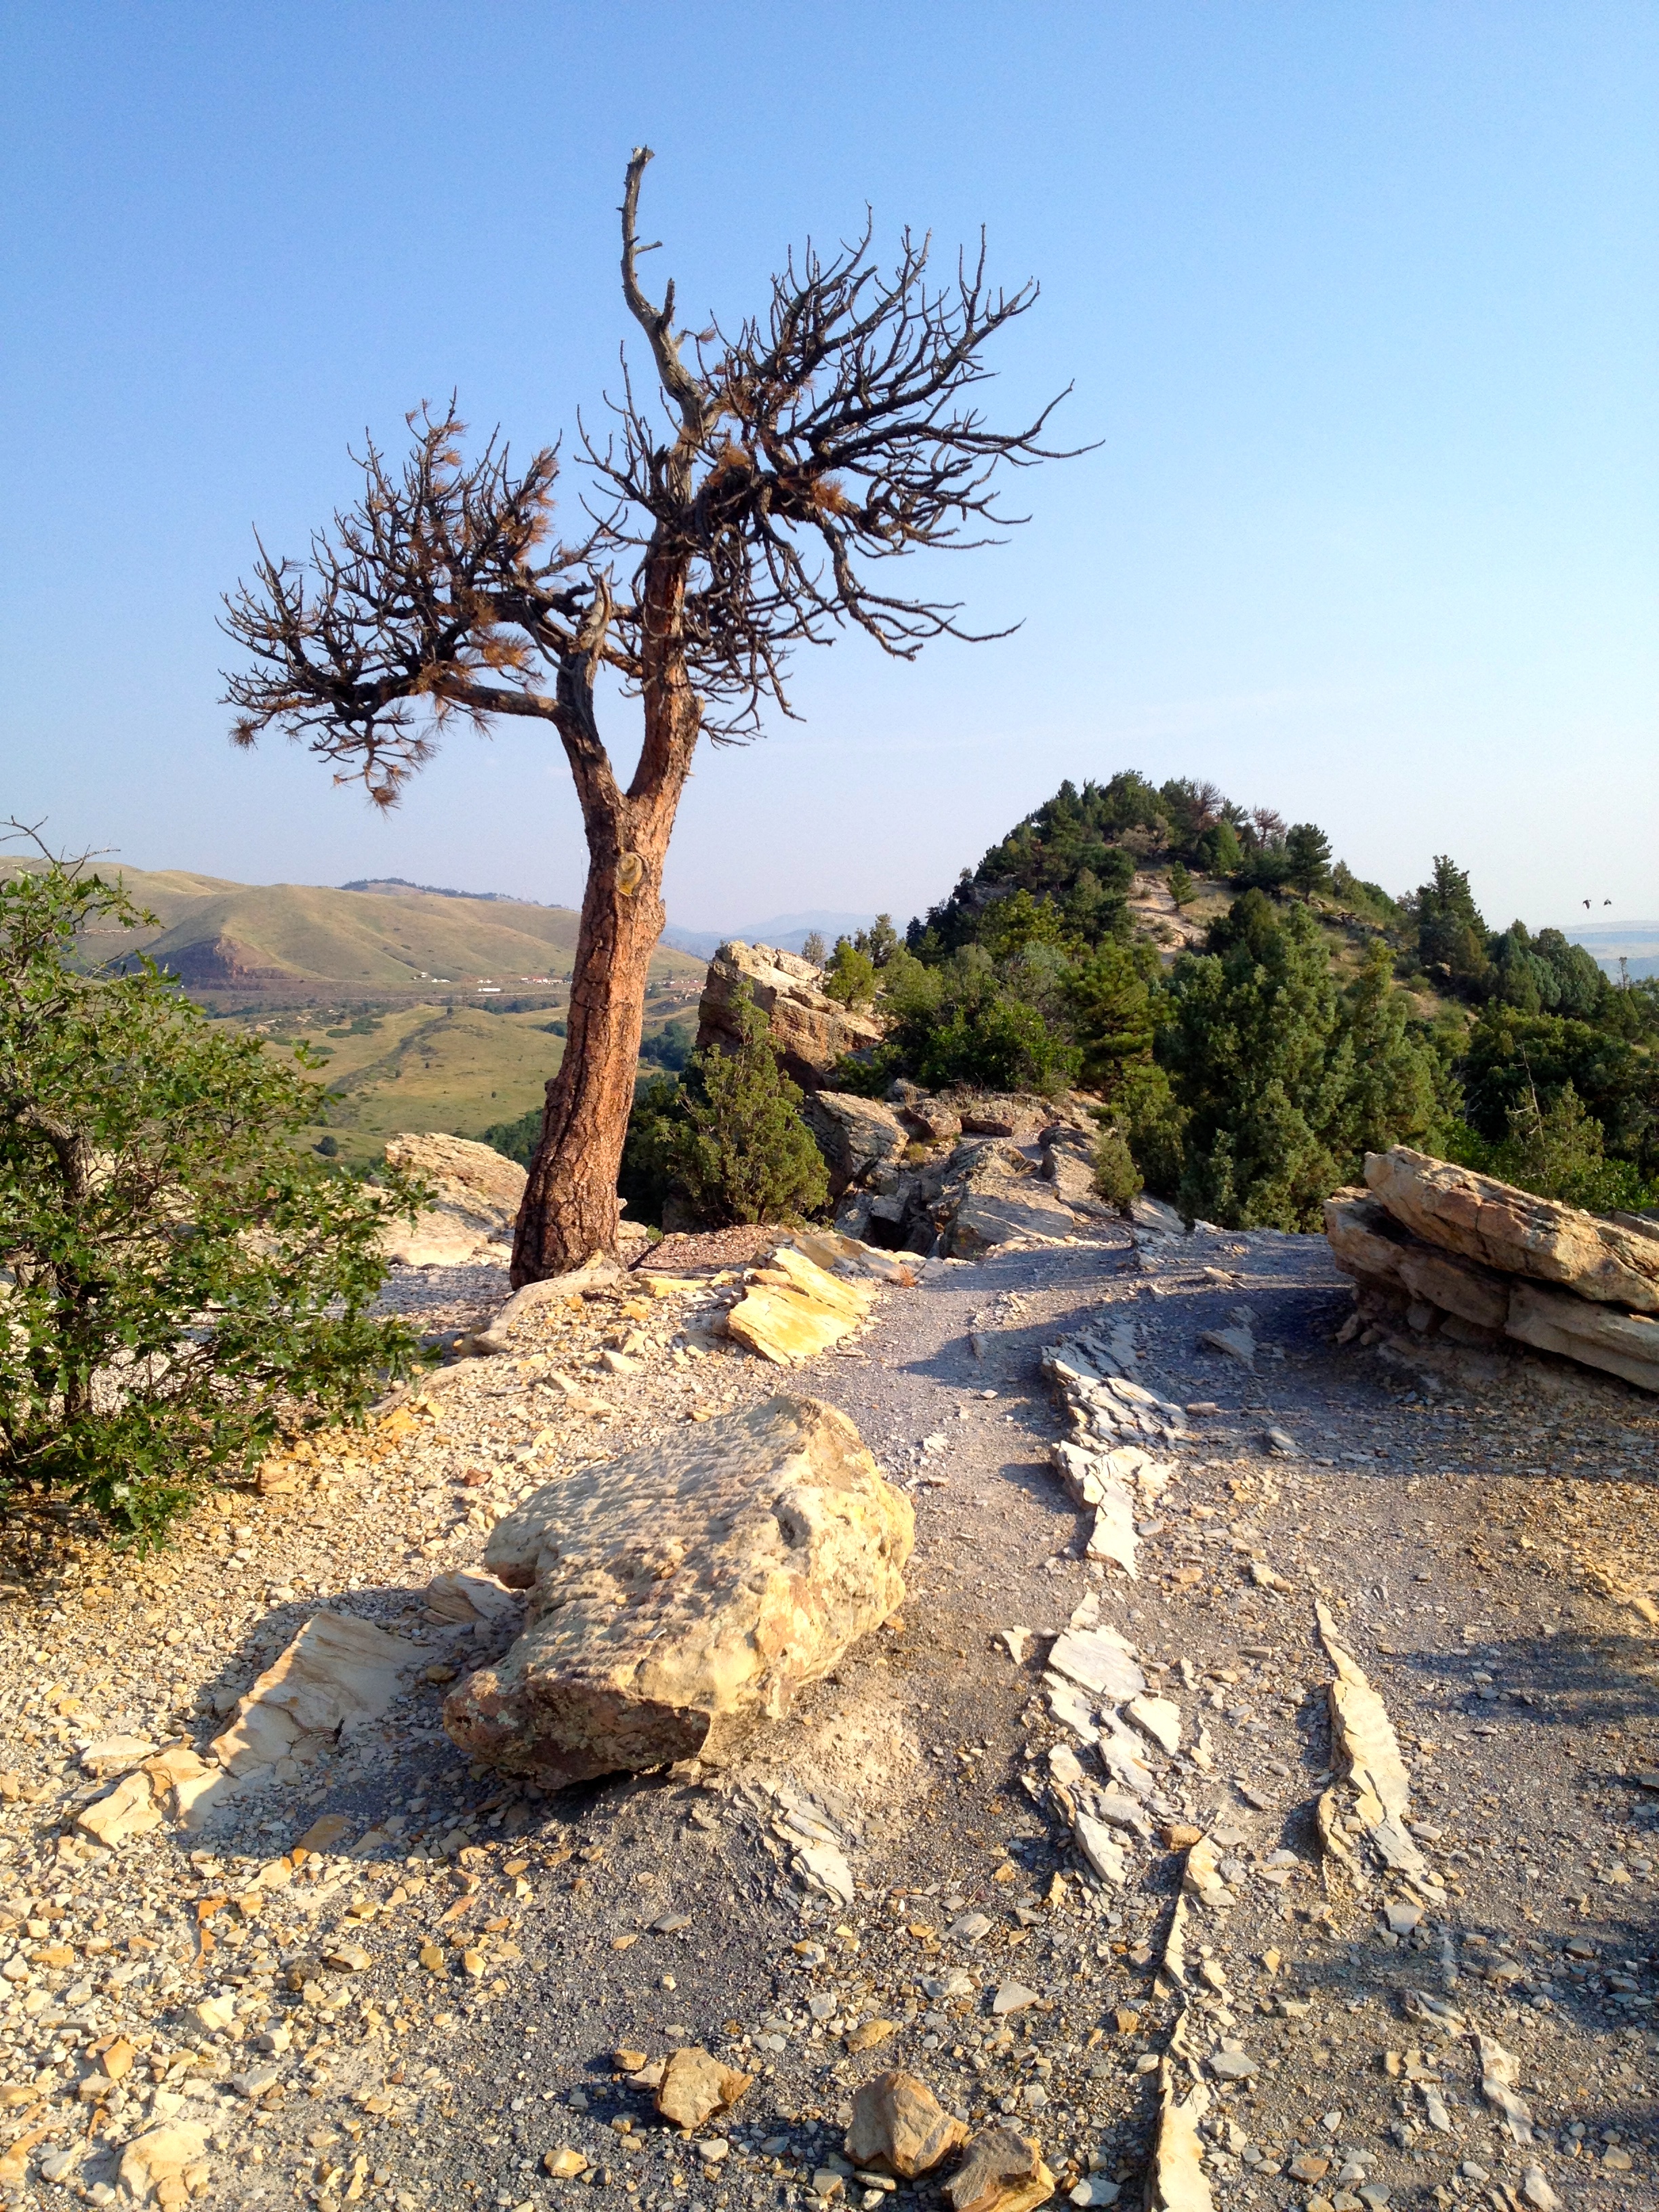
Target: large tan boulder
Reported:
[(477, 1194), (1613, 1262), (1384, 1258), (681, 1593), (809, 1032)]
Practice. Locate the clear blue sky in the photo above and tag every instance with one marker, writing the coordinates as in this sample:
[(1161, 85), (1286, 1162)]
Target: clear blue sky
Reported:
[(1360, 301)]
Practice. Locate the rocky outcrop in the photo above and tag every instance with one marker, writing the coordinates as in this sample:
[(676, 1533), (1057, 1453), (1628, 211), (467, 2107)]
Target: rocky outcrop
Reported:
[(1511, 1231), (476, 1192), (681, 1594), (1445, 1253), (809, 1032), (854, 1135)]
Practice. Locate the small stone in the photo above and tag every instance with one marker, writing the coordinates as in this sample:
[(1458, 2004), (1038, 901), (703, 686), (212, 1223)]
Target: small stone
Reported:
[(1402, 1919), (1309, 2166), (348, 1958), (432, 1958), (971, 1927), (1016, 1642), (156, 2160), (1095, 2190), (1001, 2171), (1617, 2160), (564, 2164), (1158, 1718), (1012, 1996), (671, 1924), (869, 2033), (325, 1834), (1179, 1835), (628, 2062), (1233, 2066), (713, 2150), (1536, 2191), (899, 2127), (826, 2184), (695, 2087)]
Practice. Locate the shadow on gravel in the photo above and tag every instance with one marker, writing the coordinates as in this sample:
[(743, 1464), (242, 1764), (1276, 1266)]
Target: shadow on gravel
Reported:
[(1568, 1680)]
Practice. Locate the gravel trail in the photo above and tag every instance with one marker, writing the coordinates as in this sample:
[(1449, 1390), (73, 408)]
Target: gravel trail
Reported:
[(428, 2007)]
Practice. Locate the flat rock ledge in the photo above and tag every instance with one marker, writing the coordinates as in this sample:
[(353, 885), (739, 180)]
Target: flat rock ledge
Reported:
[(681, 1593)]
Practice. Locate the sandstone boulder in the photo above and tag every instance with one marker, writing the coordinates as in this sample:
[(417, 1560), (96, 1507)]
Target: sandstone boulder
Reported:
[(1621, 1344), (1615, 1263), (338, 1671), (899, 2127), (794, 1308), (681, 1594), (1430, 1288), (1001, 2171), (477, 1194), (809, 1032)]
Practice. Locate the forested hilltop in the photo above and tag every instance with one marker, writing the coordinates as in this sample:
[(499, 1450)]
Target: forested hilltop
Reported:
[(1254, 1015)]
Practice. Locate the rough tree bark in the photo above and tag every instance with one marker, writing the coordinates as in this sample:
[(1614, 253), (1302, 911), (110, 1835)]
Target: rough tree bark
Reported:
[(832, 433)]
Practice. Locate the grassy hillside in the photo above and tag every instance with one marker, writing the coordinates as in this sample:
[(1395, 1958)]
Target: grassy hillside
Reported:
[(224, 936)]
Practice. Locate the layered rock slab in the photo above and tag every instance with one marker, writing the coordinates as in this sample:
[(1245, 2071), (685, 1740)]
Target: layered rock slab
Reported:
[(680, 1595), (1611, 1262)]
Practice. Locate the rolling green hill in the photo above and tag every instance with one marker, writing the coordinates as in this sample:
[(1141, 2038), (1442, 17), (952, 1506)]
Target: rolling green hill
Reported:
[(218, 936)]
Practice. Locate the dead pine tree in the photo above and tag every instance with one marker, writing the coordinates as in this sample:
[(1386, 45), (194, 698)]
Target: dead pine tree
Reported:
[(739, 511)]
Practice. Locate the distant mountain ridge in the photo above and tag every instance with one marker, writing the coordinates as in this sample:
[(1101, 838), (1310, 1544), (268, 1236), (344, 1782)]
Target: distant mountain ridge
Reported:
[(787, 931), (392, 884)]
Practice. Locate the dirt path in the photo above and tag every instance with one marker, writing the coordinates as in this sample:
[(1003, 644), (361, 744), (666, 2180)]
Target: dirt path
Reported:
[(1471, 1542)]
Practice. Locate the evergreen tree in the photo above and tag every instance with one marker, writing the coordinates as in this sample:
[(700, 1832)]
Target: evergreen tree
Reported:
[(740, 1148), (1450, 933), (1307, 858), (1258, 1058), (1394, 1094)]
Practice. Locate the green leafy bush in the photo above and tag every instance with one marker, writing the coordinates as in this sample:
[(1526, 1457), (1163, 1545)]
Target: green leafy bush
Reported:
[(1557, 1152), (185, 1282), (735, 1141), (647, 1174), (1283, 1083), (517, 1139), (1182, 889)]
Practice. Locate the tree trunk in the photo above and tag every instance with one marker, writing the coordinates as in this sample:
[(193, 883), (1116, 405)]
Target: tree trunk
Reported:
[(569, 1209)]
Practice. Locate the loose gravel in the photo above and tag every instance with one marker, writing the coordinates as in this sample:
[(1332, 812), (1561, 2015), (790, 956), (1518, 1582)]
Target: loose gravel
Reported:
[(452, 1982)]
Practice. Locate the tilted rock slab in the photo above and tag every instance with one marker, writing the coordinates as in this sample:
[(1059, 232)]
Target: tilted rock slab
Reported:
[(1373, 1767), (794, 1308), (855, 1134), (1176, 2180), (1368, 1243), (681, 1594), (1614, 1263), (810, 1032)]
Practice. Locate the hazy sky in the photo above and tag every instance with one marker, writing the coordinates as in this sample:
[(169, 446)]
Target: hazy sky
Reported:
[(1360, 302)]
